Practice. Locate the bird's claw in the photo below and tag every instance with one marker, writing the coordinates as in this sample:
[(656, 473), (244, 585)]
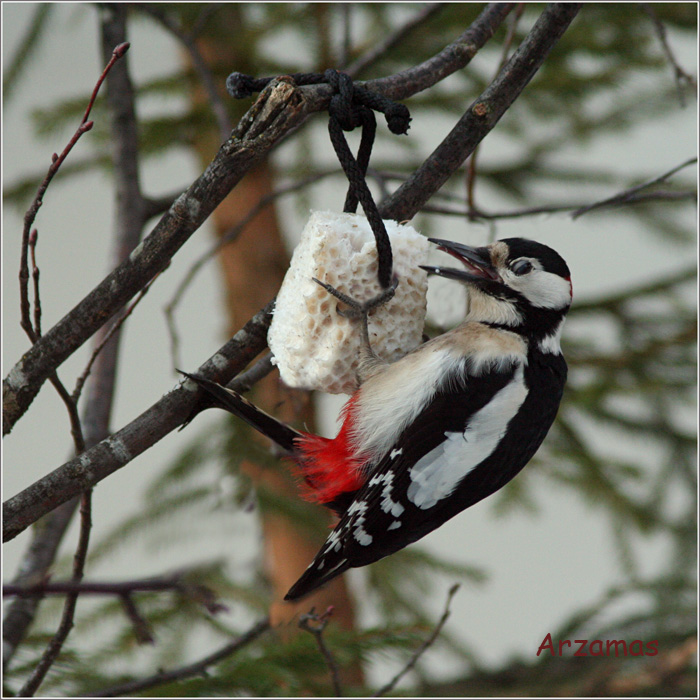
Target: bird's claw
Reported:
[(359, 309)]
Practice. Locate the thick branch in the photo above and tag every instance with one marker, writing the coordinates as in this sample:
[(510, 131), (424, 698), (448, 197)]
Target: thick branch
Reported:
[(482, 115), (280, 108), (119, 449)]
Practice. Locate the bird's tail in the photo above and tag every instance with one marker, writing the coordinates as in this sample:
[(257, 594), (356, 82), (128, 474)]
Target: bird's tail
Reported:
[(315, 576), (264, 423)]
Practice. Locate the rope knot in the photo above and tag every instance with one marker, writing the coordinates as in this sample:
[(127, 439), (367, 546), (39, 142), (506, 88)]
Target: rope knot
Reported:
[(240, 85), (398, 118)]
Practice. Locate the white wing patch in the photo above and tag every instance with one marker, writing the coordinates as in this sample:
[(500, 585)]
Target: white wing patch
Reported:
[(388, 505), (436, 475), (359, 532)]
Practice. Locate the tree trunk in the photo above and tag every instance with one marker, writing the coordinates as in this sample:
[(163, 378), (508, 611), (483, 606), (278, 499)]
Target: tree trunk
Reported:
[(253, 267)]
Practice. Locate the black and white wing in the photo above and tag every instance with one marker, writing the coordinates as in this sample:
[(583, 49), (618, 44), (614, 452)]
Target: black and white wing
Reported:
[(455, 453)]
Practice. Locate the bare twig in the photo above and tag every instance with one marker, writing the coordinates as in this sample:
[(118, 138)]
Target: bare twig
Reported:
[(33, 238), (480, 214), (228, 237), (188, 41), (119, 449), (99, 346), (56, 644), (245, 380), (196, 669), (142, 630), (482, 115), (625, 196), (681, 76), (114, 588), (316, 629), (471, 165), (422, 648), (378, 50), (57, 160)]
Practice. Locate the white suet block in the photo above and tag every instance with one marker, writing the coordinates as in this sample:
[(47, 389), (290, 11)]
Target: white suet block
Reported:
[(313, 346)]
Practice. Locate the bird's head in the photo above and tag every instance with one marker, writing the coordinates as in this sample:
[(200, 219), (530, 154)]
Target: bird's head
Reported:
[(514, 282)]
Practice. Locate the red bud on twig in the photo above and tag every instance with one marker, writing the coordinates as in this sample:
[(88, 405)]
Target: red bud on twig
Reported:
[(120, 50)]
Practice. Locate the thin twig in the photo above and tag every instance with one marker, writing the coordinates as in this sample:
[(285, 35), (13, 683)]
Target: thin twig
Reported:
[(57, 160), (680, 75), (513, 20), (54, 647), (198, 668), (142, 630), (107, 337), (33, 331), (33, 238), (320, 622), (422, 648), (626, 195), (117, 450), (379, 50), (480, 214), (245, 380), (115, 588), (200, 65), (225, 239)]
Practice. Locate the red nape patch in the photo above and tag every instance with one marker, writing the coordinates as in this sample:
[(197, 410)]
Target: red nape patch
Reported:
[(571, 287), (329, 466)]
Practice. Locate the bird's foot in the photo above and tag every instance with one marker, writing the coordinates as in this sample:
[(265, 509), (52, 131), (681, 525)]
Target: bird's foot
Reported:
[(360, 309)]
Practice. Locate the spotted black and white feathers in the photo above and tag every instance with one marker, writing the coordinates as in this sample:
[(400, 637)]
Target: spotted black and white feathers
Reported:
[(450, 423)]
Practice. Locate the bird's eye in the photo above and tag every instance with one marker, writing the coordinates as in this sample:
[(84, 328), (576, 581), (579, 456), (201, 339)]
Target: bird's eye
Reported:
[(521, 267)]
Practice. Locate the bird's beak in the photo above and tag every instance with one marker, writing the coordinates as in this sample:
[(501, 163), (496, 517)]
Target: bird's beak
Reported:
[(476, 260)]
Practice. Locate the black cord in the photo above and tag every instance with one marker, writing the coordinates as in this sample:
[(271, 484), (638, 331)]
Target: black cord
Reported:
[(350, 106)]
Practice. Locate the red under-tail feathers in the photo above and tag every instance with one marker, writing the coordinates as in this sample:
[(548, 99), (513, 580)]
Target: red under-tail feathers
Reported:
[(329, 467)]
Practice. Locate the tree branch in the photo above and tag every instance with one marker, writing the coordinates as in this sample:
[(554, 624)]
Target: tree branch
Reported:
[(56, 644), (196, 669), (197, 592), (628, 195), (119, 449), (317, 631), (422, 648), (378, 50), (482, 115), (129, 221), (280, 108), (681, 76)]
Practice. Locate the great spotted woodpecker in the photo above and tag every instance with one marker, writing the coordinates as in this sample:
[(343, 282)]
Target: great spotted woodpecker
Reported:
[(445, 426)]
